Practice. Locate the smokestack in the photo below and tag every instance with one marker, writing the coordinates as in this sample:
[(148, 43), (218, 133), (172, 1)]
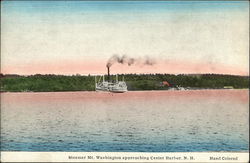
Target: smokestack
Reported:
[(108, 74)]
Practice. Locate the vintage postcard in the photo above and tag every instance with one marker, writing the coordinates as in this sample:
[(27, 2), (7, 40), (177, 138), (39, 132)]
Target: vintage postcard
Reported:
[(124, 81)]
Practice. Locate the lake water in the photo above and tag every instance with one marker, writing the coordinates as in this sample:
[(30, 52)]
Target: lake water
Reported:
[(140, 121)]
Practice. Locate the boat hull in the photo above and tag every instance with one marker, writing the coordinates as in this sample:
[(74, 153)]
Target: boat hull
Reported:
[(117, 91)]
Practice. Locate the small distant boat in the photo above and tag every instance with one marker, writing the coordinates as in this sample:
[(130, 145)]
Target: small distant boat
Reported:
[(111, 86), (180, 88)]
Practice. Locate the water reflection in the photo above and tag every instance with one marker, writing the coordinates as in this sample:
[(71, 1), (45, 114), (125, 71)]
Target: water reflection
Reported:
[(152, 121)]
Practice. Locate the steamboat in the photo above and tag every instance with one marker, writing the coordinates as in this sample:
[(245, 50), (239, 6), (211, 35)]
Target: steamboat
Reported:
[(110, 85)]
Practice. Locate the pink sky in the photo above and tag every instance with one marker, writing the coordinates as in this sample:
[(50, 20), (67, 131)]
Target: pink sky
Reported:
[(99, 67)]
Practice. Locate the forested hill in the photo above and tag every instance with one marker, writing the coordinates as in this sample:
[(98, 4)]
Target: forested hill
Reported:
[(50, 82)]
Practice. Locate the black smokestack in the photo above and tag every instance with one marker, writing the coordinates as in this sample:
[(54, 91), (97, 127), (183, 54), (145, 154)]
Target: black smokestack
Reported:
[(108, 73)]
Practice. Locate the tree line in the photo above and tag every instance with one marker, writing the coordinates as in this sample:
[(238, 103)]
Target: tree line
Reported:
[(51, 82)]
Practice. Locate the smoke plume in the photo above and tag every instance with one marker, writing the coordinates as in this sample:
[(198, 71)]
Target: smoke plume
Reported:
[(129, 60)]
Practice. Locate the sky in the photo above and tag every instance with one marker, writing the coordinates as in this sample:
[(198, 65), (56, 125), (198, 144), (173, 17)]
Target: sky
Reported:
[(79, 37)]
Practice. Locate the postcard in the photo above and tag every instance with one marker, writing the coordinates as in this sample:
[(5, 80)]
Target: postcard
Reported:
[(124, 81)]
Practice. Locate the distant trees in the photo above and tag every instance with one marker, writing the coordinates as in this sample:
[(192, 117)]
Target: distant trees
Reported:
[(195, 81), (47, 83), (50, 82)]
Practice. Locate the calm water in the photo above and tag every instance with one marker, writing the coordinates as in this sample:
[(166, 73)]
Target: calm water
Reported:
[(150, 121)]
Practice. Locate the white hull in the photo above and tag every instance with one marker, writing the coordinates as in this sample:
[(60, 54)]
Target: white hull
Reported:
[(114, 91), (118, 90)]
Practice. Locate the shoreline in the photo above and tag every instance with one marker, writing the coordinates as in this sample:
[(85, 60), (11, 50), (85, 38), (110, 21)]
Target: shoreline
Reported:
[(124, 92), (134, 82)]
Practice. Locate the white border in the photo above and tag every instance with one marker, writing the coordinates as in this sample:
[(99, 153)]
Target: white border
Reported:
[(124, 157)]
